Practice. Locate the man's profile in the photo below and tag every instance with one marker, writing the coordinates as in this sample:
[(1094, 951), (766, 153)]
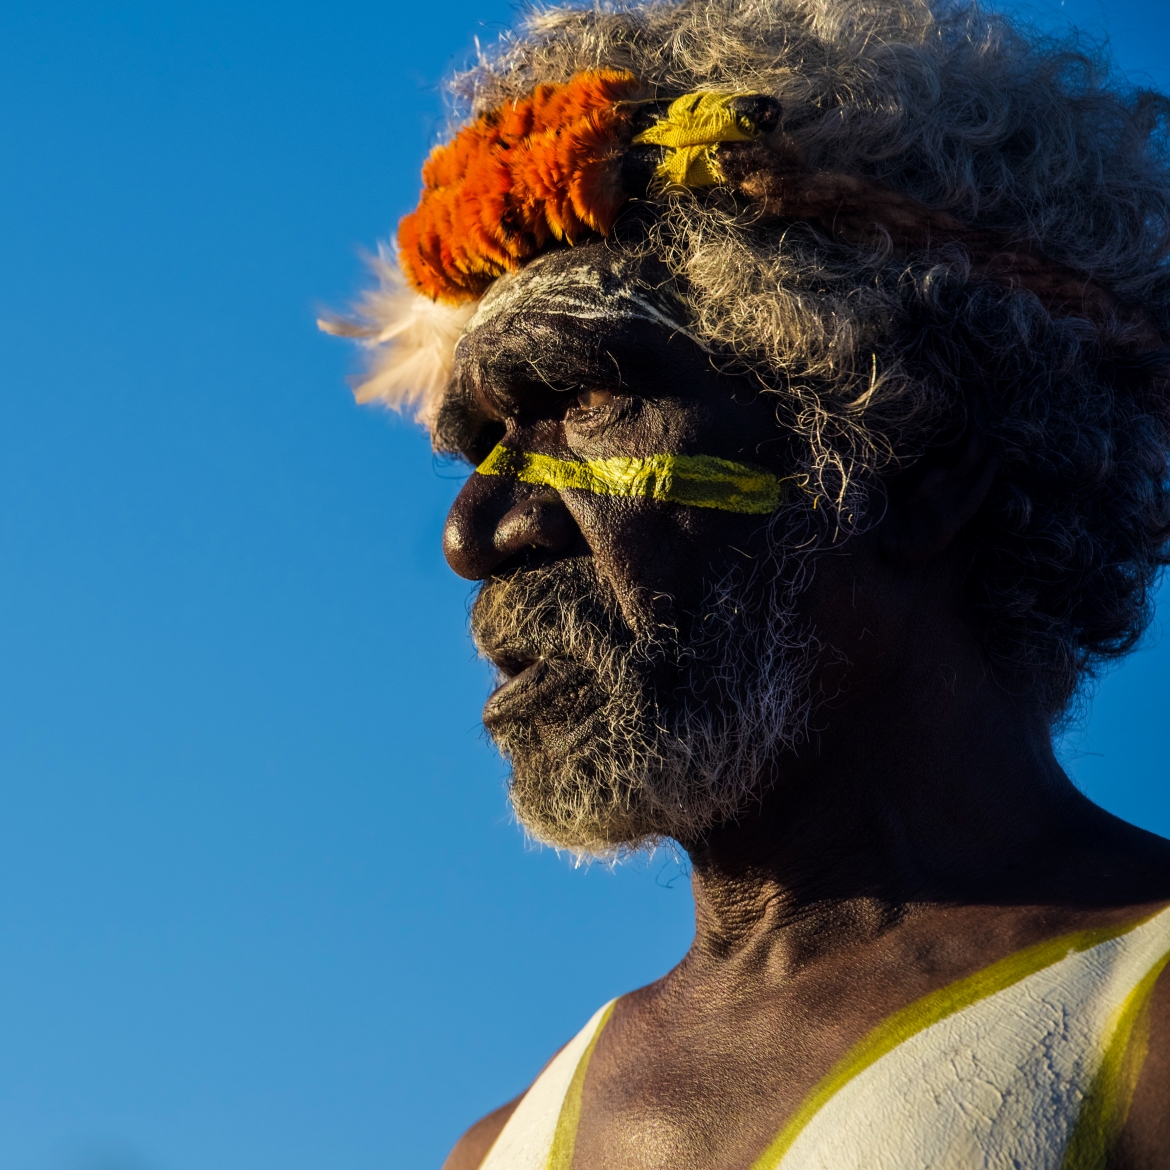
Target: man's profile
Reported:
[(813, 360)]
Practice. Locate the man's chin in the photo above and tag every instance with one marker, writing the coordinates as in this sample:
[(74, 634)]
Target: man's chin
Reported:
[(567, 787), (588, 787), (567, 807)]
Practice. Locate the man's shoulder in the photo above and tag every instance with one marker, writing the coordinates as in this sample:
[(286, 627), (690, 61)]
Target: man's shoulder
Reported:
[(472, 1148), (1145, 1138)]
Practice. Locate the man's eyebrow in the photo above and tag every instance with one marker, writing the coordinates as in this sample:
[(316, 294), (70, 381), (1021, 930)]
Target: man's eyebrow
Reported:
[(557, 353)]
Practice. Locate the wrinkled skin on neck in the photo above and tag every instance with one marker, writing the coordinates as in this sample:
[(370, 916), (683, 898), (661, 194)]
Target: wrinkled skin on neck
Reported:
[(871, 814)]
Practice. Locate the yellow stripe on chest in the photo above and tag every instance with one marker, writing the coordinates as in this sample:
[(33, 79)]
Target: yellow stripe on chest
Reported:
[(698, 481)]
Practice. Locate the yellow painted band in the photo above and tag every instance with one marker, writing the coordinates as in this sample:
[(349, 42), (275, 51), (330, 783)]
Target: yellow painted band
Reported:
[(560, 1155), (1110, 1094), (698, 481), (924, 1012)]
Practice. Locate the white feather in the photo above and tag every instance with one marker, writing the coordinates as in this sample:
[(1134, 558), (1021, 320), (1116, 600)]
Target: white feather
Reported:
[(412, 340)]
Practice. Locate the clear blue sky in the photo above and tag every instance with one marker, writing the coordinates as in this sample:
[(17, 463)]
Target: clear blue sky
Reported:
[(261, 903)]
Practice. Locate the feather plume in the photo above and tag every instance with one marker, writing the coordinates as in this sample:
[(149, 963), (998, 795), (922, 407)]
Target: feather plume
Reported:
[(412, 340)]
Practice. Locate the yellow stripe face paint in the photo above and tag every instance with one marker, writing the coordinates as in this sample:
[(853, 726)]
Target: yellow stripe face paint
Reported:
[(698, 481)]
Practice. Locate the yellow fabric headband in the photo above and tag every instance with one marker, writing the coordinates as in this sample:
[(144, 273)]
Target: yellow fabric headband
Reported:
[(699, 481)]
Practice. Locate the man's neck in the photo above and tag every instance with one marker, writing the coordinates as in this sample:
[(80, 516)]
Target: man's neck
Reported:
[(886, 809)]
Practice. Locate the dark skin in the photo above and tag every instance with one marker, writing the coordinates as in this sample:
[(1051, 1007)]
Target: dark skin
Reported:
[(926, 829)]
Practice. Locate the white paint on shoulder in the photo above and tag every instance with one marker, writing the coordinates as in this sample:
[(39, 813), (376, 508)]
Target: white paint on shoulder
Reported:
[(524, 1143), (996, 1086)]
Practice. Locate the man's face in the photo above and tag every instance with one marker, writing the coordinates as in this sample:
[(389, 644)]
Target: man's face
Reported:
[(651, 657)]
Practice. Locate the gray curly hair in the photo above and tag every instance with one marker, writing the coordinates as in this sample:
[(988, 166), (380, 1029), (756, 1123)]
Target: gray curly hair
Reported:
[(877, 357)]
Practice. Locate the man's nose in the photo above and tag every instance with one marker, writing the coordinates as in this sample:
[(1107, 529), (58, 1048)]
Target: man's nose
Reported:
[(493, 520)]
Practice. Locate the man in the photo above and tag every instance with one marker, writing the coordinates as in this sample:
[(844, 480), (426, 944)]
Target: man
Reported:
[(811, 358)]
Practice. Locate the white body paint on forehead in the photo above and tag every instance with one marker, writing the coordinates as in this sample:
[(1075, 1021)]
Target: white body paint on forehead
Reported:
[(579, 292)]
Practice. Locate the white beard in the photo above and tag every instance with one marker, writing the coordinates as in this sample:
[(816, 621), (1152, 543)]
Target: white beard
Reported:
[(630, 738)]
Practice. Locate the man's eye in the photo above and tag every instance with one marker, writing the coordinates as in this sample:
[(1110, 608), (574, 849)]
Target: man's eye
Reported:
[(593, 399)]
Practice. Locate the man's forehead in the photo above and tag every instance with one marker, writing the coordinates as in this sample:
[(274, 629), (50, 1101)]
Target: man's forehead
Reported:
[(592, 286)]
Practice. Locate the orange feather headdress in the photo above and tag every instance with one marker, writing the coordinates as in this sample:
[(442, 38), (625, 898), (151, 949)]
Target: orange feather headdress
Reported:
[(543, 168)]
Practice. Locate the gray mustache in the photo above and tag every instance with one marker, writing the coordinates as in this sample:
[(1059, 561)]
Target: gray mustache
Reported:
[(550, 611)]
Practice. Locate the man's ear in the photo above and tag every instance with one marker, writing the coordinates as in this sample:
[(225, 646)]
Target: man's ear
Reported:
[(921, 524)]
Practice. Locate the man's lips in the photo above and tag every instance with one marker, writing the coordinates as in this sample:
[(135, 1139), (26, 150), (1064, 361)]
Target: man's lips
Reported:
[(511, 663), (522, 683), (547, 689)]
